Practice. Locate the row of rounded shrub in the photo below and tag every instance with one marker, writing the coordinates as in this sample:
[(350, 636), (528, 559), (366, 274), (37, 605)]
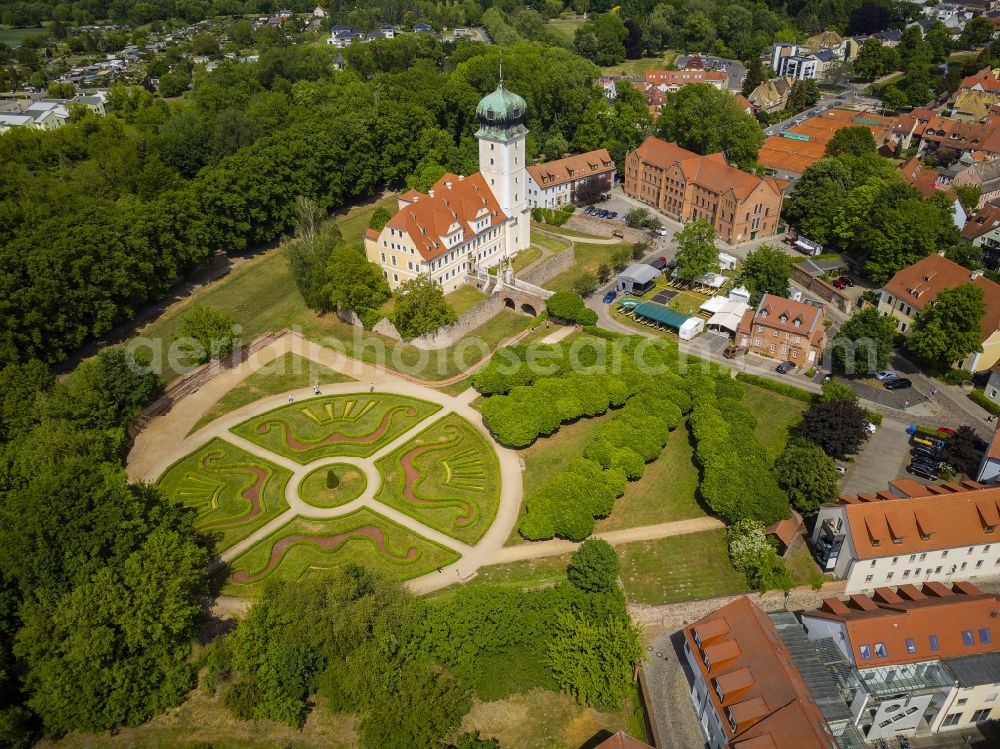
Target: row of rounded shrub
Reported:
[(568, 505), (567, 305), (737, 481)]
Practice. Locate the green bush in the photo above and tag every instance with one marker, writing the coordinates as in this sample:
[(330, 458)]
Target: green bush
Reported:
[(569, 208), (369, 317), (332, 480), (799, 394), (977, 396), (874, 417), (958, 376), (569, 306)]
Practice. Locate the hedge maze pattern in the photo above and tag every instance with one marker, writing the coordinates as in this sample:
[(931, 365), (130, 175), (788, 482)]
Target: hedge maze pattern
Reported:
[(331, 426), (304, 546), (232, 491), (446, 477)]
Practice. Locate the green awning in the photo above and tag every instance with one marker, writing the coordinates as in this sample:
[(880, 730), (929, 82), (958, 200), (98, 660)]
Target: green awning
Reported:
[(661, 314)]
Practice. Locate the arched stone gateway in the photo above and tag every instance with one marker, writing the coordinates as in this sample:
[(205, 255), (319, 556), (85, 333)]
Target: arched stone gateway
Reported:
[(509, 303), (529, 309)]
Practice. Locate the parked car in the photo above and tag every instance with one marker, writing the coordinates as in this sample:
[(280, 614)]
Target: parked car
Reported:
[(885, 374), (928, 463), (922, 472), (610, 296), (927, 452), (897, 383), (612, 214), (657, 262), (785, 367), (839, 283), (590, 209), (732, 352), (848, 280), (870, 427), (662, 232), (841, 470)]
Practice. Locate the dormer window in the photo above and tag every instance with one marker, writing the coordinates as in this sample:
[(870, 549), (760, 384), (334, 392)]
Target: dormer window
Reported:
[(783, 318), (763, 313)]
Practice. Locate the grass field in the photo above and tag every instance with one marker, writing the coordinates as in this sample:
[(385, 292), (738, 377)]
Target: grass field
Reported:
[(566, 231), (681, 568), (447, 477), (564, 28), (464, 298), (233, 492), (666, 491), (640, 66), (304, 546), (525, 258), (357, 424), (261, 296), (775, 415), (349, 484), (588, 258), (287, 372), (804, 569), (12, 37), (555, 244)]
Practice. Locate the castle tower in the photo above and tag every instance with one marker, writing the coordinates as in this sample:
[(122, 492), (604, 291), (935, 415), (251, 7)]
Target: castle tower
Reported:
[(501, 160)]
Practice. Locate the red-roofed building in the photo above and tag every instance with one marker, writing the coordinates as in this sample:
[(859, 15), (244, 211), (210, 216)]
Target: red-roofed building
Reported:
[(462, 223), (783, 329), (747, 691), (687, 186), (554, 183), (674, 80), (622, 740), (922, 656)]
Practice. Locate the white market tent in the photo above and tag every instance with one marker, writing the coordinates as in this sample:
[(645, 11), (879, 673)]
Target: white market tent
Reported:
[(714, 304), (715, 280), (726, 261), (727, 318)]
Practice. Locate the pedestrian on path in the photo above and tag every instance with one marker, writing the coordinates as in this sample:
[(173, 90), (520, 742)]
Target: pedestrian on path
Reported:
[(906, 403), (316, 388), (371, 387), (290, 398)]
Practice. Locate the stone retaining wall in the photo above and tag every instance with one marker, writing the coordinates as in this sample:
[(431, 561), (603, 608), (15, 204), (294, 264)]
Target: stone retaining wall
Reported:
[(550, 268)]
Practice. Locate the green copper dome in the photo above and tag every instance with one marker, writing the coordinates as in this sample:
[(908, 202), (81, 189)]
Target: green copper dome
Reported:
[(501, 115)]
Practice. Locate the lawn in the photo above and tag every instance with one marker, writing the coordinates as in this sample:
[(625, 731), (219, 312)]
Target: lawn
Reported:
[(233, 492), (568, 232), (446, 477), (640, 66), (588, 258), (666, 491), (303, 546), (687, 302), (332, 485), (288, 372), (261, 296), (555, 244), (564, 28), (525, 258), (681, 568), (357, 424), (12, 37), (464, 298), (775, 415), (804, 569)]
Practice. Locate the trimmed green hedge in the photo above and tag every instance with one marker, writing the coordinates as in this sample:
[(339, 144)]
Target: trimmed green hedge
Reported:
[(979, 398), (799, 394), (874, 417)]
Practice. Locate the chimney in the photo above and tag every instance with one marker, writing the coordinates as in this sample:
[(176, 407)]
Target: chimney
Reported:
[(461, 177), (430, 193)]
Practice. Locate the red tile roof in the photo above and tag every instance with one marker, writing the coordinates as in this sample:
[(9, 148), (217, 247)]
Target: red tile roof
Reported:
[(571, 168), (922, 179), (761, 689), (622, 740), (984, 79), (684, 77), (919, 285), (778, 312), (984, 220), (940, 516), (903, 620), (453, 203)]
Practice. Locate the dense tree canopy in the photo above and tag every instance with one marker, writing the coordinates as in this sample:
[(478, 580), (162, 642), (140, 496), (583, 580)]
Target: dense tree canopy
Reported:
[(864, 343), (696, 250), (837, 426), (807, 474), (950, 329), (765, 270)]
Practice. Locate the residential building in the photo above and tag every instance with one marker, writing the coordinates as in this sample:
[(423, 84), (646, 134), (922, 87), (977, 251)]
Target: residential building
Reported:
[(915, 288), (687, 186), (927, 181), (320, 12), (912, 653), (674, 80), (342, 35), (974, 105), (989, 466), (784, 329), (463, 223), (982, 230), (555, 183), (423, 28), (938, 533), (793, 60), (984, 80), (747, 691), (49, 114), (985, 176), (771, 96)]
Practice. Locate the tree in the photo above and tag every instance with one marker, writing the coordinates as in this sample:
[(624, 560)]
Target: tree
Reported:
[(894, 99), (594, 566), (637, 217), (856, 140), (864, 343), (754, 77), (585, 283), (602, 39), (766, 270), (58, 90), (875, 60), (807, 474), (969, 195), (473, 740), (593, 661), (354, 282), (379, 218), (696, 250), (207, 332), (753, 554), (836, 426), (704, 119), (204, 43), (976, 33), (421, 307), (589, 191), (951, 328), (173, 84), (309, 254), (568, 305), (963, 451)]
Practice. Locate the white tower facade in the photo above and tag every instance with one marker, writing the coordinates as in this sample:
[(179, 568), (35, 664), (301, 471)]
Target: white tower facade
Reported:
[(502, 160)]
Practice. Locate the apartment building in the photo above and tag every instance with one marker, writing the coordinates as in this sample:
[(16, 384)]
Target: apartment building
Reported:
[(687, 186), (914, 658), (784, 329), (795, 61), (555, 183), (915, 289), (746, 690), (939, 533), (674, 80)]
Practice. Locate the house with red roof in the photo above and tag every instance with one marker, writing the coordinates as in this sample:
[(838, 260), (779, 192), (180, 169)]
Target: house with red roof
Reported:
[(687, 186), (783, 329)]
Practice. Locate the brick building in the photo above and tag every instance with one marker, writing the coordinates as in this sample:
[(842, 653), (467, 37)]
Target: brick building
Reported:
[(687, 186), (784, 329)]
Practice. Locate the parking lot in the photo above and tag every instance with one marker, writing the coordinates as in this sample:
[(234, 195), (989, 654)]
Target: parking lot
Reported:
[(883, 459)]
